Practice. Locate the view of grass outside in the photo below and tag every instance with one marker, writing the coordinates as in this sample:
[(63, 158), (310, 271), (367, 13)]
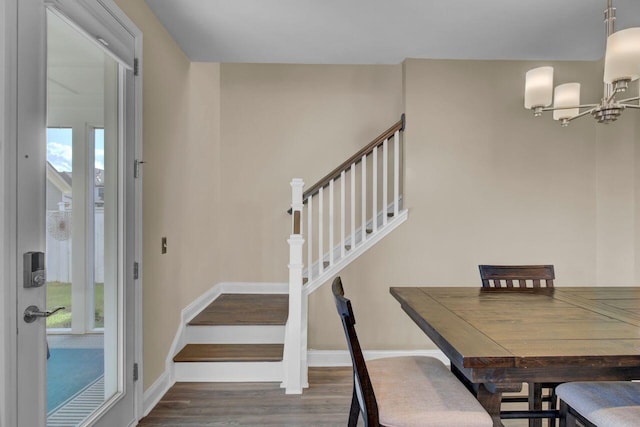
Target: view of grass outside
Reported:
[(59, 294)]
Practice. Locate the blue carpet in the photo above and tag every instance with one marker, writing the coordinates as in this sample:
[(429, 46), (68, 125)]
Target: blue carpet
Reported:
[(70, 370)]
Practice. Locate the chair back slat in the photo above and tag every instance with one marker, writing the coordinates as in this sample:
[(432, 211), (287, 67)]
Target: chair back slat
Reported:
[(362, 382), (499, 276)]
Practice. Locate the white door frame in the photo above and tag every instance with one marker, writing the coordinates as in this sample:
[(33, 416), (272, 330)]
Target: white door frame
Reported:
[(9, 260), (8, 270)]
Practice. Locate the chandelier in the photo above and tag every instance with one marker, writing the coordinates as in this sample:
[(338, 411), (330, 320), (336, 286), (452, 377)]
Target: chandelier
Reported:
[(621, 66)]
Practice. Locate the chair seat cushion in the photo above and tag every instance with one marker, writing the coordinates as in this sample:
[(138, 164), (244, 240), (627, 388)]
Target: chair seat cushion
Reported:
[(604, 403), (421, 391)]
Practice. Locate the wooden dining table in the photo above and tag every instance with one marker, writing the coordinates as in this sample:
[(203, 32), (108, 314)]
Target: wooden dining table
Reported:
[(498, 338)]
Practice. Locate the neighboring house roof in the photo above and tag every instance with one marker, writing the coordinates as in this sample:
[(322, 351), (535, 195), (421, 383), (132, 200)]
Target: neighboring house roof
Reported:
[(61, 180), (55, 176), (66, 176)]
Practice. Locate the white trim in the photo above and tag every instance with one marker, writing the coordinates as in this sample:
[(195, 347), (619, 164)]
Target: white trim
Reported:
[(235, 334), (154, 393), (255, 287), (139, 405), (229, 371), (200, 303), (90, 20), (329, 358), (8, 266)]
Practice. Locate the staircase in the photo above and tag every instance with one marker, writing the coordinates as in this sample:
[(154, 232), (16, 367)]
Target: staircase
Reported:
[(238, 337), (263, 337)]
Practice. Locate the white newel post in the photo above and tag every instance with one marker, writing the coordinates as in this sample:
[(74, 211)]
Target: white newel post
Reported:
[(295, 345)]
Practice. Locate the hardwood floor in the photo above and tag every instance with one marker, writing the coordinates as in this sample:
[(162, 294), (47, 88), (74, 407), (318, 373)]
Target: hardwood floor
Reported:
[(324, 403)]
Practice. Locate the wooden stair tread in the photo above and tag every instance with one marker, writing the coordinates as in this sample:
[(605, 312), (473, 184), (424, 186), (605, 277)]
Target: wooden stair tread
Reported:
[(230, 353), (244, 309)]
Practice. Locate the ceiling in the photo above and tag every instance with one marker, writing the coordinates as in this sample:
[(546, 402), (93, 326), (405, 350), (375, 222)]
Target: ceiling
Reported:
[(75, 74), (388, 31)]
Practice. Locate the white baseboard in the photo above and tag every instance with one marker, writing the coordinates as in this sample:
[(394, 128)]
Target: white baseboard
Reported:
[(154, 393), (255, 287), (328, 358)]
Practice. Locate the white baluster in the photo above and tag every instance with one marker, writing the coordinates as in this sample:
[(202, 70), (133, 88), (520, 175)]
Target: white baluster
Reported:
[(396, 173), (385, 182), (364, 198), (374, 188), (342, 212), (309, 238), (320, 231), (331, 220), (353, 205)]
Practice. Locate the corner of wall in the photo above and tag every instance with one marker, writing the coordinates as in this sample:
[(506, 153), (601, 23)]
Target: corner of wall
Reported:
[(636, 147)]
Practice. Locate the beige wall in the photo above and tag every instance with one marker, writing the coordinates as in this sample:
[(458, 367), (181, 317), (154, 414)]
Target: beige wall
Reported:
[(488, 183), (289, 121), (181, 113), (616, 170)]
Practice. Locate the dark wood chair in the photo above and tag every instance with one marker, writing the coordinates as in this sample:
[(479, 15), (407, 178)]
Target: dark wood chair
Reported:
[(517, 276), (600, 404), (524, 277), (404, 391)]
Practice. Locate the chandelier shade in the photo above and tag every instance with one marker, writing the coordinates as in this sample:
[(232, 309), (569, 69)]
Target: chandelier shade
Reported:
[(538, 87), (566, 95), (622, 60), (621, 67)]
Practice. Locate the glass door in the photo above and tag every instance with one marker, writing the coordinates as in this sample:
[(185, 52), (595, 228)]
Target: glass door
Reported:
[(76, 216)]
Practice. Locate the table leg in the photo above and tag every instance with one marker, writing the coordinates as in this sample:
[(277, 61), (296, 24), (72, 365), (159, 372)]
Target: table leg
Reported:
[(490, 401), (535, 403)]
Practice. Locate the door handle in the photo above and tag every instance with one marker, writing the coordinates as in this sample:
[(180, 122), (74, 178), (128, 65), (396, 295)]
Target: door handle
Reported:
[(32, 312)]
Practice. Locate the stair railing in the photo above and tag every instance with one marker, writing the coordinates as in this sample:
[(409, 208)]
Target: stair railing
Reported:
[(374, 201), (368, 210)]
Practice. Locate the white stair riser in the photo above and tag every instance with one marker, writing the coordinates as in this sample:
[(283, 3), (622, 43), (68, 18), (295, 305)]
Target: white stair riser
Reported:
[(228, 371), (253, 334)]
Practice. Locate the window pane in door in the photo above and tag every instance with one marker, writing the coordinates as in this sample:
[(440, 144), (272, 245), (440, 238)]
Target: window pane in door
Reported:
[(83, 368), (98, 214), (59, 216)]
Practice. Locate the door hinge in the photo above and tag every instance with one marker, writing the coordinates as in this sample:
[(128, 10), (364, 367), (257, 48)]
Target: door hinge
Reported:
[(135, 372), (136, 70), (136, 167), (135, 271)]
